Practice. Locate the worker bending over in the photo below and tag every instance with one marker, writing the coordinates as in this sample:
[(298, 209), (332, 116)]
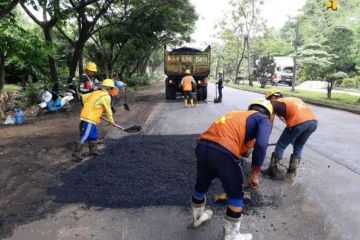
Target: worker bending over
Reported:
[(300, 124), (218, 151)]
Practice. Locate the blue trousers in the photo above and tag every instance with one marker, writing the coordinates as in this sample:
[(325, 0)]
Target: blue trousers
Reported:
[(297, 135), (88, 132), (213, 163)]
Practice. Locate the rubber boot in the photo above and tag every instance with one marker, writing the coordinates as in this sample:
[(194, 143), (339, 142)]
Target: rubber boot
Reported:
[(78, 152), (192, 102), (93, 148), (199, 214), (273, 170), (186, 103), (291, 172), (232, 230)]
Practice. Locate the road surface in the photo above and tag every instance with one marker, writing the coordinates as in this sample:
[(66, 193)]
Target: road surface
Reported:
[(322, 204)]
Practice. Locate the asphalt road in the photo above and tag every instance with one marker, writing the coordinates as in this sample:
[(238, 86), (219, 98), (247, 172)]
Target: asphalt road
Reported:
[(322, 204)]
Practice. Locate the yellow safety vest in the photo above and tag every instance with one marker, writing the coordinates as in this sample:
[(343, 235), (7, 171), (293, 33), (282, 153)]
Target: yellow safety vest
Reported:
[(96, 103)]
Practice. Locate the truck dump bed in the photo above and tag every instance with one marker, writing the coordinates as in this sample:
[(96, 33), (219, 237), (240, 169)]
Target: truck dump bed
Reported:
[(178, 60)]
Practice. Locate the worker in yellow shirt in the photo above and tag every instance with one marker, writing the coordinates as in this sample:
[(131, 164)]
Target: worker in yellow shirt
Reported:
[(97, 102)]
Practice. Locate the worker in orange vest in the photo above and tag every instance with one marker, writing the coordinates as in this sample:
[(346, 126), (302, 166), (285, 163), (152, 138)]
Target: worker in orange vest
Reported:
[(300, 124), (218, 151), (96, 103), (186, 83)]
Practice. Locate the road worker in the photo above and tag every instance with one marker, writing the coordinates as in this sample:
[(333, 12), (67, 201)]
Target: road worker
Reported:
[(96, 103), (186, 84), (300, 124), (220, 85), (218, 151), (88, 83)]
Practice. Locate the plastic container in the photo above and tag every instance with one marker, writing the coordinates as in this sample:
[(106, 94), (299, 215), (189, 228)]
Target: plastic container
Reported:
[(19, 116)]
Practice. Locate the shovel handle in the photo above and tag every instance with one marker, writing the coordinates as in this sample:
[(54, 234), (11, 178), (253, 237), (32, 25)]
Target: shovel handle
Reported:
[(116, 125)]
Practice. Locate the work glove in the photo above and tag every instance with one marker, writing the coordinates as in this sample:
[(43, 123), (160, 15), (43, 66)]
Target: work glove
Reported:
[(253, 180)]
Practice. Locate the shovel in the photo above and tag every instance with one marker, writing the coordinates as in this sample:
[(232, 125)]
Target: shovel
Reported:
[(125, 104), (132, 129)]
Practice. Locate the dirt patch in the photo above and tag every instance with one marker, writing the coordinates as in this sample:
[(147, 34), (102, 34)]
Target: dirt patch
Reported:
[(34, 154)]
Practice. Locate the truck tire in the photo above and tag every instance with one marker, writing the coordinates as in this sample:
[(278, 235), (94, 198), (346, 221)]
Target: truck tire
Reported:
[(201, 93), (170, 92)]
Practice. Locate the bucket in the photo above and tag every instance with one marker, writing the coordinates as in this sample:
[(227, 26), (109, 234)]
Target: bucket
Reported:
[(19, 116)]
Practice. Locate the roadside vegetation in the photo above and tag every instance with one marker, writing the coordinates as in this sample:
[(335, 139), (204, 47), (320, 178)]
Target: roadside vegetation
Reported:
[(338, 100), (326, 45), (48, 42)]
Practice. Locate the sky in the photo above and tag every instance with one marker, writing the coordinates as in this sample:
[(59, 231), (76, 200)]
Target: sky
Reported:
[(275, 12)]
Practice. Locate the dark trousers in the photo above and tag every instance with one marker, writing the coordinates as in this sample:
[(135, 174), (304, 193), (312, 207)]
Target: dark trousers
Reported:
[(213, 163), (220, 92)]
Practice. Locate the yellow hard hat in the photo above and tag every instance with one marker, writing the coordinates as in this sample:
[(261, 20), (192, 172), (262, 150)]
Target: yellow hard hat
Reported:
[(91, 66), (220, 72), (187, 71), (108, 83), (262, 105), (273, 91)]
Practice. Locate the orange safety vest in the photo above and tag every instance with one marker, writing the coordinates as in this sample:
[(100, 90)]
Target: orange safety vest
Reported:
[(296, 111), (229, 132), (187, 86), (90, 111)]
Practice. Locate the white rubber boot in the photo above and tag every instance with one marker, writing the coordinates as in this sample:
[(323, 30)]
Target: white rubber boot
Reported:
[(199, 214), (232, 230)]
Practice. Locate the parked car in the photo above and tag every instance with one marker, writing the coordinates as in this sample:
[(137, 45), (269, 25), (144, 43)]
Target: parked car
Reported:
[(286, 75)]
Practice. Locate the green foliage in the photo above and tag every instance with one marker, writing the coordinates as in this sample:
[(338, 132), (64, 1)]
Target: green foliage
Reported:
[(315, 61), (341, 43), (340, 75), (264, 69), (149, 25), (137, 80), (32, 92), (351, 82)]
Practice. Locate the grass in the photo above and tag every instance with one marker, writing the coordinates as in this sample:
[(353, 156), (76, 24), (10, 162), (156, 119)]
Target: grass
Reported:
[(12, 88), (338, 100)]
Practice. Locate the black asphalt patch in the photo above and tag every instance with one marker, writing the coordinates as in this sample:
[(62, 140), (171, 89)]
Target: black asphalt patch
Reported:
[(138, 171)]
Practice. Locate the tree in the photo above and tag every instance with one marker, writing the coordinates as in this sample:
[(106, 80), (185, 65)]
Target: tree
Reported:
[(6, 6), (52, 13), (127, 46), (236, 31), (341, 43), (332, 79), (264, 69), (315, 61)]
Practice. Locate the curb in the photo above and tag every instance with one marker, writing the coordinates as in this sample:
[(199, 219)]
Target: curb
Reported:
[(313, 102)]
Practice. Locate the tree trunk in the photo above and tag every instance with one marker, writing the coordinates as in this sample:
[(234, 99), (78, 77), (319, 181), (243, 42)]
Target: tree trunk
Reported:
[(248, 55), (52, 64), (329, 88), (79, 46), (2, 71), (239, 63), (7, 9)]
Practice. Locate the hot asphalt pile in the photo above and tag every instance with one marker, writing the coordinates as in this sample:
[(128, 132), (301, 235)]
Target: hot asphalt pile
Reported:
[(140, 170)]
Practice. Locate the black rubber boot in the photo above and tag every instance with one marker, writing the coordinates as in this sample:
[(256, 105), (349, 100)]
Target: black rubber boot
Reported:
[(93, 149), (78, 152), (273, 170), (291, 172)]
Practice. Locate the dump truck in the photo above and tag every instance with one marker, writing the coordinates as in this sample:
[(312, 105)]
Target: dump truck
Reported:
[(177, 61)]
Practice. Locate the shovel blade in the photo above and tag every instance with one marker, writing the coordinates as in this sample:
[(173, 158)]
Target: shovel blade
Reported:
[(133, 129), (126, 107)]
